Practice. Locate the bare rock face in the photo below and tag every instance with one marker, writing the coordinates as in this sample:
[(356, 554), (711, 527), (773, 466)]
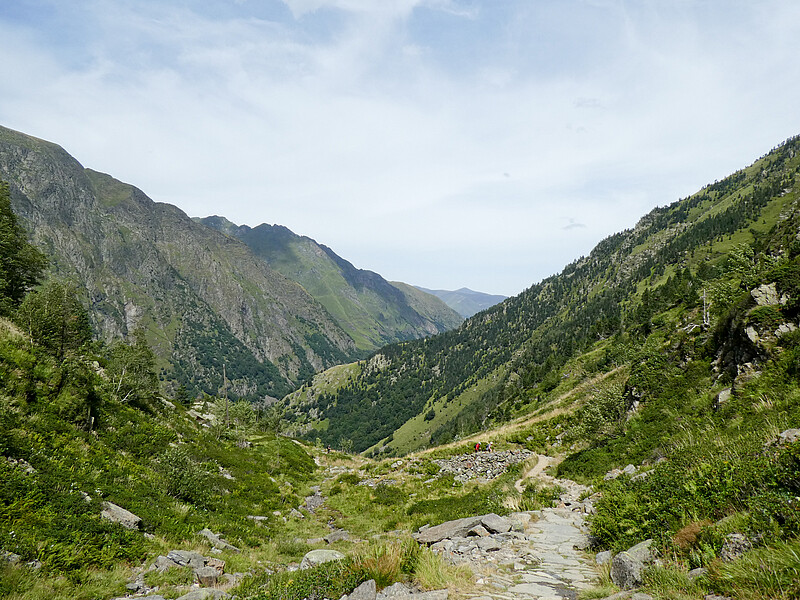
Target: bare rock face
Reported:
[(366, 591), (734, 546), (117, 514)]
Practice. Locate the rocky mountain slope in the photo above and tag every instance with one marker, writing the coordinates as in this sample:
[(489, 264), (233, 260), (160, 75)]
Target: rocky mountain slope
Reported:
[(371, 310), (465, 301), (205, 300)]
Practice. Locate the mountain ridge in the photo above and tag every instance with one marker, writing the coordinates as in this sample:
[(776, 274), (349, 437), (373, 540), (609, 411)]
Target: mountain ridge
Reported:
[(373, 311)]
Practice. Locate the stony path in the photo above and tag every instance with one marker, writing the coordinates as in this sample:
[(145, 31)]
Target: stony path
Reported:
[(546, 563)]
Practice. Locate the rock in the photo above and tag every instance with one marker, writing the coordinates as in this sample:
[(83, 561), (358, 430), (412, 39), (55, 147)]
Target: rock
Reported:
[(734, 546), (186, 557), (448, 529), (337, 536), (626, 571), (204, 594), (206, 576), (478, 530), (723, 397), (785, 328), (495, 523), (9, 557), (766, 295), (603, 557), (217, 541), (489, 544), (317, 557), (790, 436), (698, 572), (314, 502), (162, 564), (395, 590), (641, 596), (366, 591), (117, 514), (752, 334), (629, 470), (643, 551), (296, 514)]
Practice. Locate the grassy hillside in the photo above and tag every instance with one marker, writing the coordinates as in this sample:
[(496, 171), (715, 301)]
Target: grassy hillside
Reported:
[(510, 359)]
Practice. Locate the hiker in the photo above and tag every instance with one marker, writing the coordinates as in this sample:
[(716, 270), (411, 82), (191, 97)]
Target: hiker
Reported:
[(489, 447), (477, 446)]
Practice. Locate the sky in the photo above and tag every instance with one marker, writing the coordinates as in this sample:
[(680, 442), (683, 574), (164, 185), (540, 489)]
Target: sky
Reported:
[(443, 143)]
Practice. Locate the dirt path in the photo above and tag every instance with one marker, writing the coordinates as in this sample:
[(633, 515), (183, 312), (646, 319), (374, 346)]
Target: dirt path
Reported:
[(557, 568)]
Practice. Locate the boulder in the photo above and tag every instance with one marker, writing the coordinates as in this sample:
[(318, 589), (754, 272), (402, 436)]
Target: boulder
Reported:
[(495, 523), (626, 571), (317, 557), (337, 536), (206, 576), (789, 436), (448, 529), (186, 557), (117, 514), (627, 567), (366, 591), (643, 551), (479, 531), (603, 557)]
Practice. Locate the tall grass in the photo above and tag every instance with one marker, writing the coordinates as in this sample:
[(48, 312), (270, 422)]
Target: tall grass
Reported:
[(767, 573)]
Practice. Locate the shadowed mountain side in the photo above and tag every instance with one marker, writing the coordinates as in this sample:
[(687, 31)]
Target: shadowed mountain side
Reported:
[(204, 299)]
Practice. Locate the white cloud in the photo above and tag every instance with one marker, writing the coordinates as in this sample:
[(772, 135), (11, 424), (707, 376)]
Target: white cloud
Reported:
[(344, 122)]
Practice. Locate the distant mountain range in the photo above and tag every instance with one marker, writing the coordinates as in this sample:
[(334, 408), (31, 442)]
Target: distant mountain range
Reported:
[(373, 311), (465, 301), (208, 301)]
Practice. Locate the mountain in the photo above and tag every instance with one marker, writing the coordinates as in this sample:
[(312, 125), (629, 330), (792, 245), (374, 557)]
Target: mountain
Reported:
[(598, 320), (211, 309), (465, 301), (371, 310)]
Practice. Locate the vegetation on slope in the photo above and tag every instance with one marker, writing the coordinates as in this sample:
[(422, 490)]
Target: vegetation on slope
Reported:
[(514, 353)]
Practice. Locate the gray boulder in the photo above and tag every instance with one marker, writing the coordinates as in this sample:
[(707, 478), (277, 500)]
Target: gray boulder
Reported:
[(186, 557), (603, 557), (206, 576), (317, 557), (627, 567), (117, 514), (366, 591), (495, 523), (337, 536), (626, 571), (448, 529)]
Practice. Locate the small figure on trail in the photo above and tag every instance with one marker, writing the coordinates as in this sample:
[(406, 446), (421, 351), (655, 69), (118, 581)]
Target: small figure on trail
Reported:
[(489, 447), (477, 446), (329, 449)]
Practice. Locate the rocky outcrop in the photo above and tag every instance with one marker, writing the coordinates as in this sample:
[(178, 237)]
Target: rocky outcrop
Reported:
[(482, 465), (216, 541)]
